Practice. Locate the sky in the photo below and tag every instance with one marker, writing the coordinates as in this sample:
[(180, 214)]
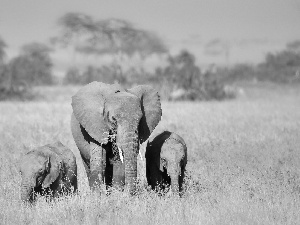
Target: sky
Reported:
[(250, 28)]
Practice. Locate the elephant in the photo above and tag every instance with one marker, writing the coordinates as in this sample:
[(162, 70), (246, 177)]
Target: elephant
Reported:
[(48, 170), (108, 124), (166, 159)]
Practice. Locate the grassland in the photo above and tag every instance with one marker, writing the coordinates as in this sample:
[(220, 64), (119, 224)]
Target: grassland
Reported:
[(243, 163)]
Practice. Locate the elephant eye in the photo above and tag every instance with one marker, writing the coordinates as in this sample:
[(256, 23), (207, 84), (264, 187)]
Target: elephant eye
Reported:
[(111, 118)]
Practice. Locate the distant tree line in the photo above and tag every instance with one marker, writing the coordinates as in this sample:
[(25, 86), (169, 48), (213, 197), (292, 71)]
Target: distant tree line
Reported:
[(279, 67), (180, 75), (180, 79)]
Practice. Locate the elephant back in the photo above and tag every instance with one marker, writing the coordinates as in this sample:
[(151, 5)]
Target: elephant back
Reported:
[(177, 138), (66, 155), (68, 160)]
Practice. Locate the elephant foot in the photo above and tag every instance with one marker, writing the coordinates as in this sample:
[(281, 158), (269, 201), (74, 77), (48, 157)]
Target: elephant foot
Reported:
[(94, 181), (118, 180)]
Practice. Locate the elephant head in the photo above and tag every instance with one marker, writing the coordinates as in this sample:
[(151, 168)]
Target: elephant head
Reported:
[(38, 170), (107, 111), (173, 159)]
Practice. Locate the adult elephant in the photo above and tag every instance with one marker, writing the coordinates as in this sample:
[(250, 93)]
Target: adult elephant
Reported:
[(166, 159), (108, 123)]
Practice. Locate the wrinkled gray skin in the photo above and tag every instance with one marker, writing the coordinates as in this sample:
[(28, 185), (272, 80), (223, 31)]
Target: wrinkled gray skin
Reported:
[(107, 117), (50, 169), (166, 158)]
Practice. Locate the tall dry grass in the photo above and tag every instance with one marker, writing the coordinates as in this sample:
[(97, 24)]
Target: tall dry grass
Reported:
[(243, 163)]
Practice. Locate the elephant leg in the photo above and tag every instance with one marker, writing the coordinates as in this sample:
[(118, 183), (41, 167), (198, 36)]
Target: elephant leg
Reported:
[(86, 167), (107, 166), (166, 180), (155, 178), (57, 193), (103, 164), (68, 186), (96, 165), (148, 175), (154, 182), (181, 177), (118, 179), (108, 173)]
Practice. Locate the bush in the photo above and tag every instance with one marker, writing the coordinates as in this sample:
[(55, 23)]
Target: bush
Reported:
[(34, 65), (17, 93), (14, 87), (187, 81), (281, 67), (239, 72), (73, 76), (13, 90), (106, 74)]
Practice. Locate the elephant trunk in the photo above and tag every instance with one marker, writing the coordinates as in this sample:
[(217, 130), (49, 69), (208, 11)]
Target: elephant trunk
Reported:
[(173, 171), (128, 141), (27, 189), (174, 183)]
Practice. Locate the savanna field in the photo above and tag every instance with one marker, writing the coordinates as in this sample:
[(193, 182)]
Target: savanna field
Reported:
[(243, 162)]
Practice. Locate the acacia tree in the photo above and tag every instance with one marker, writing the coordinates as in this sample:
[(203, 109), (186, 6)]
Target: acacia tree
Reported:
[(106, 36), (114, 37)]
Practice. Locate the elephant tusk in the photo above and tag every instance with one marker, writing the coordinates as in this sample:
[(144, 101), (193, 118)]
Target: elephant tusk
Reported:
[(140, 154), (121, 155)]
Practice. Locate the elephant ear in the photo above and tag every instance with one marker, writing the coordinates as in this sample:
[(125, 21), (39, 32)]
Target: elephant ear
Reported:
[(151, 108), (88, 105), (54, 166)]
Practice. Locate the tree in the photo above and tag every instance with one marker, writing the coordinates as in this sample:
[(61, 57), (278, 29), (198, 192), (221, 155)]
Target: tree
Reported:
[(2, 56), (293, 46), (114, 37), (183, 72), (2, 51), (188, 82), (73, 76), (107, 36), (20, 72), (32, 67), (37, 57), (280, 67)]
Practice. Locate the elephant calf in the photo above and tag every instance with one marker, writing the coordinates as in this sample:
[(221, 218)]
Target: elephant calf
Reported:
[(50, 169), (166, 158)]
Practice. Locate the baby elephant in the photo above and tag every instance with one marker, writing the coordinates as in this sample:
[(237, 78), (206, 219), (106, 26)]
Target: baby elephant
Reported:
[(50, 169), (166, 158)]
